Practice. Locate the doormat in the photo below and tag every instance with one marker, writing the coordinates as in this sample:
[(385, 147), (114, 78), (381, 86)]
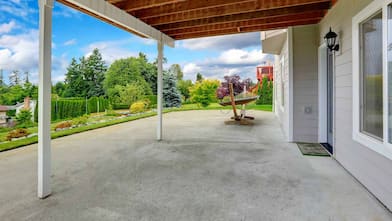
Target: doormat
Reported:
[(312, 149)]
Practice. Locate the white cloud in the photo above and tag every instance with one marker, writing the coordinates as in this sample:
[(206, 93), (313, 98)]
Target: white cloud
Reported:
[(7, 27), (70, 42), (17, 8), (238, 57), (111, 50), (148, 41), (223, 42), (65, 11), (191, 68), (19, 51), (233, 61)]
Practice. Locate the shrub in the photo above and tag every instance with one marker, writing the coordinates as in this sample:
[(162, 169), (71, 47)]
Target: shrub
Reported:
[(21, 132), (204, 92), (138, 107), (11, 113), (111, 112), (152, 99), (63, 125), (97, 104), (80, 120), (24, 118), (120, 106)]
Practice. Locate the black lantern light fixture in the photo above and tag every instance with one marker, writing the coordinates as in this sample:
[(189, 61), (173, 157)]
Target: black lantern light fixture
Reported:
[(331, 38)]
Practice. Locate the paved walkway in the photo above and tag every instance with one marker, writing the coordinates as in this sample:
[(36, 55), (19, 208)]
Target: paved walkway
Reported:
[(204, 170)]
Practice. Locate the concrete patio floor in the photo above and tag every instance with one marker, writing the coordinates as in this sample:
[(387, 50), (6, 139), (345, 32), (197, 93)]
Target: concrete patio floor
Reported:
[(203, 170)]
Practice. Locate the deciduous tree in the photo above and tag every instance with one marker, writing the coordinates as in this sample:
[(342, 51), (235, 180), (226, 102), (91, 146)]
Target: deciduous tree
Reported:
[(122, 73), (175, 69)]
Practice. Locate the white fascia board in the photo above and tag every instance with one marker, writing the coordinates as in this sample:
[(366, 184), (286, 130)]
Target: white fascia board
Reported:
[(118, 16)]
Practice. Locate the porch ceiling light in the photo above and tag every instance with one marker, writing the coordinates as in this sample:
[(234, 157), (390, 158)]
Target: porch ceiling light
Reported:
[(331, 38)]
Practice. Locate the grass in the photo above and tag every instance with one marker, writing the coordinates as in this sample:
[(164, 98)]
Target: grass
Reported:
[(56, 134), (62, 133), (216, 106)]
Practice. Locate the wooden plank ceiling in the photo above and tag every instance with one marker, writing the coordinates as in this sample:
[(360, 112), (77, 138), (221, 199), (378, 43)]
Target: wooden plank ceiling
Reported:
[(185, 19)]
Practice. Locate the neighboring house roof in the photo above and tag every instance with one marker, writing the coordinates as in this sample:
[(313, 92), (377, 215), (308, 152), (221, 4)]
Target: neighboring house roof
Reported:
[(10, 107), (3, 108)]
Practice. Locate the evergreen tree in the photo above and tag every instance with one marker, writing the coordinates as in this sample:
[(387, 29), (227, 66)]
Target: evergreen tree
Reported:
[(85, 78), (94, 74), (30, 90), (199, 77), (75, 84), (14, 78), (2, 83), (265, 92), (26, 75), (171, 95)]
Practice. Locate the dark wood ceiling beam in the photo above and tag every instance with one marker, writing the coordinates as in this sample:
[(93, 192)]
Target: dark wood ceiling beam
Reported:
[(239, 8), (143, 4), (243, 24), (246, 29), (115, 1), (245, 16), (187, 6)]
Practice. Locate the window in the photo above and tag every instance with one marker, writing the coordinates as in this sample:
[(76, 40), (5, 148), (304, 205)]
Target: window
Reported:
[(389, 54), (372, 77)]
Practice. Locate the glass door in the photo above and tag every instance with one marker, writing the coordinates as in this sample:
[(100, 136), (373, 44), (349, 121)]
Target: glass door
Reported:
[(330, 103)]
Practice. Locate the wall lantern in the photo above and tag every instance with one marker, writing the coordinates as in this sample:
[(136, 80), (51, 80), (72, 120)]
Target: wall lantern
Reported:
[(331, 38)]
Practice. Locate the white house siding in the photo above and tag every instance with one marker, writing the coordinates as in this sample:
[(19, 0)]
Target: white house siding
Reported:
[(373, 170), (305, 83), (281, 80)]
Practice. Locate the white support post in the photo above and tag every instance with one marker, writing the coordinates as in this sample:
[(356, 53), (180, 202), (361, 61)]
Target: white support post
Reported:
[(160, 90), (44, 93)]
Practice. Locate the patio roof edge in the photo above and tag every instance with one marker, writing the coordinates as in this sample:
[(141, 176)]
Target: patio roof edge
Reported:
[(115, 16)]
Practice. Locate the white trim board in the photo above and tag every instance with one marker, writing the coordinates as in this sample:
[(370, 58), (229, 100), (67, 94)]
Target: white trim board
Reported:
[(322, 91), (291, 84)]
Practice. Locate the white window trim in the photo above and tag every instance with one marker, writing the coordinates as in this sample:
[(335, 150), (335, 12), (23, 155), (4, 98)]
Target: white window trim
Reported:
[(290, 97), (322, 91), (382, 147), (282, 67)]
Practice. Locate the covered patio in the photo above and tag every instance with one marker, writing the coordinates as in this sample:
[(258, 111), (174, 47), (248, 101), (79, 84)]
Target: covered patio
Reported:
[(204, 170), (164, 21)]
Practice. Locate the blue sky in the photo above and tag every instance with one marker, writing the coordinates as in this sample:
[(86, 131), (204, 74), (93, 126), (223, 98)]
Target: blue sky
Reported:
[(76, 34)]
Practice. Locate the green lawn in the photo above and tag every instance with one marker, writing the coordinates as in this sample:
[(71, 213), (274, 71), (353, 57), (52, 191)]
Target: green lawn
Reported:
[(216, 106), (111, 121)]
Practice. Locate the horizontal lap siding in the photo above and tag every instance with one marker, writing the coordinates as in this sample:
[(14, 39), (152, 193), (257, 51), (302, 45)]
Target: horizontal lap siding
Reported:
[(282, 112), (370, 168), (305, 44)]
